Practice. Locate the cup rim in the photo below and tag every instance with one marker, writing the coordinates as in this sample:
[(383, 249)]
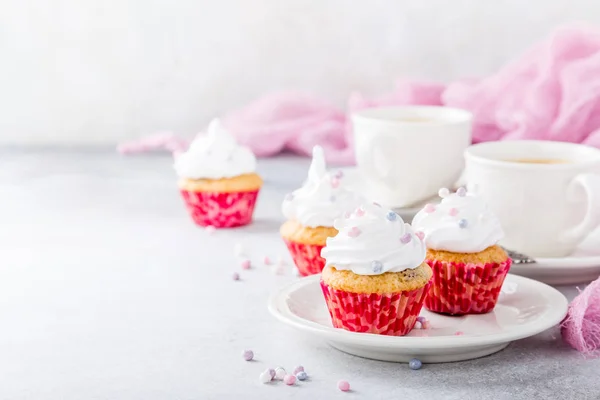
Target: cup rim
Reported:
[(470, 155), (454, 116)]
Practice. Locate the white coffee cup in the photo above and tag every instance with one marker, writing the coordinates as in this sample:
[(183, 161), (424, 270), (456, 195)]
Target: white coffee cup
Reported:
[(545, 209), (405, 154)]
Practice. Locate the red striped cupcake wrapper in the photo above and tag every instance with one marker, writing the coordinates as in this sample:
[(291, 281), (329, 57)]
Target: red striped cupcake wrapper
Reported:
[(220, 209), (393, 314), (307, 257), (459, 288)]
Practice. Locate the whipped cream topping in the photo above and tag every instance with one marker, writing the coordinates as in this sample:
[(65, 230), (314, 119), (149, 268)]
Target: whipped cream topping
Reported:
[(373, 241), (322, 198), (215, 155), (461, 223)]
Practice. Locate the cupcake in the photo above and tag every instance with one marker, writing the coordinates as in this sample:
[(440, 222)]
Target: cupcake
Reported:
[(375, 279), (468, 267), (310, 212), (217, 179)]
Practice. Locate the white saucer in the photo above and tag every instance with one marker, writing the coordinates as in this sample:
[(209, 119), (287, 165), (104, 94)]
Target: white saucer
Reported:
[(531, 307)]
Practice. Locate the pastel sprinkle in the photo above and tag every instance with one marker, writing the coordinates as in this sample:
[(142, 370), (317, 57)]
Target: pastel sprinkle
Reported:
[(267, 261), (335, 182), (418, 325), (298, 369), (443, 192), (463, 223), (421, 319), (420, 235), (461, 191), (289, 380), (354, 232), (245, 264), (210, 229), (429, 208), (339, 174), (271, 372), (426, 324), (415, 364), (235, 276), (279, 373), (344, 386), (459, 333), (302, 376), (377, 266), (265, 377), (406, 238), (453, 212), (359, 212), (248, 355), (391, 216)]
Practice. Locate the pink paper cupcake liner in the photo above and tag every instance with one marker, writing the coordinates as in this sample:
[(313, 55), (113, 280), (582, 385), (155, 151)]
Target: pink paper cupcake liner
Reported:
[(393, 314), (221, 210), (459, 288), (307, 257)]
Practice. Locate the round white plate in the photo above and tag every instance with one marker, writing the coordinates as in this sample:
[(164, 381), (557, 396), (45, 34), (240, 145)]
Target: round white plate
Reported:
[(528, 308)]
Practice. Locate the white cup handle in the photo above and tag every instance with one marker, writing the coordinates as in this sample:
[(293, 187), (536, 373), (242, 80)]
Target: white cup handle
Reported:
[(590, 183)]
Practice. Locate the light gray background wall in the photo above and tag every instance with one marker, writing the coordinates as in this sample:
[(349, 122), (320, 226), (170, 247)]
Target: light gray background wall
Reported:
[(99, 71)]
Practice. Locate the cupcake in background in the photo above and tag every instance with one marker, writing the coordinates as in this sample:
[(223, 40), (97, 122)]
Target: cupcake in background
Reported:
[(217, 179), (375, 279), (468, 267), (310, 212)]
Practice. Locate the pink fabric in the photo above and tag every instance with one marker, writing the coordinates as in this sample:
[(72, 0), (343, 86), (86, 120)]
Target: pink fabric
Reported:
[(551, 92)]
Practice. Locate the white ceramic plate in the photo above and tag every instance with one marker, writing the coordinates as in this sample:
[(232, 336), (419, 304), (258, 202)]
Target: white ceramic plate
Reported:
[(530, 308)]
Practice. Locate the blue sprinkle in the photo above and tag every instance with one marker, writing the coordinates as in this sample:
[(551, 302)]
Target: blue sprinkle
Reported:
[(377, 266), (463, 223), (415, 364), (302, 376), (391, 216)]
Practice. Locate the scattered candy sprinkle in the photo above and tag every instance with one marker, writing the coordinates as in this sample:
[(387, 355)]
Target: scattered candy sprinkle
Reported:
[(443, 192), (289, 380), (335, 182), (344, 386), (391, 216), (354, 232), (359, 212), (415, 364), (429, 208), (426, 324), (420, 235), (418, 325), (421, 319), (407, 237), (248, 355), (463, 223), (461, 191), (267, 261), (246, 264), (377, 266), (235, 276), (459, 333), (339, 174), (298, 369), (265, 377), (302, 376), (279, 373), (210, 229), (453, 212)]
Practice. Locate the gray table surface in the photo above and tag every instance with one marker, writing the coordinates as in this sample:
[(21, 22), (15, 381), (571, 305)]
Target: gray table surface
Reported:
[(108, 291)]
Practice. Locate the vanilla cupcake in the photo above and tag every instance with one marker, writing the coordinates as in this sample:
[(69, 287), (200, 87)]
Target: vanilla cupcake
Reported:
[(468, 267), (375, 279), (311, 211), (217, 179)]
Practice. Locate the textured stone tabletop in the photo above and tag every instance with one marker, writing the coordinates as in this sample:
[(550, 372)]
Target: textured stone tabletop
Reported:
[(108, 291)]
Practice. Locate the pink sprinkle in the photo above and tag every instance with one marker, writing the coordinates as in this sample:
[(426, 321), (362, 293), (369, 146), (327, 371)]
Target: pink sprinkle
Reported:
[(453, 212), (354, 232), (235, 276), (344, 386), (420, 235), (246, 264), (298, 369), (426, 324), (406, 238), (335, 182), (429, 208), (267, 261), (210, 229), (289, 379), (359, 212), (459, 333), (418, 325)]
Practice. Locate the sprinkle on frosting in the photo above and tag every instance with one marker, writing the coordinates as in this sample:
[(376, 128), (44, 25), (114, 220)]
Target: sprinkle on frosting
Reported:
[(322, 198), (462, 223), (382, 246), (215, 155)]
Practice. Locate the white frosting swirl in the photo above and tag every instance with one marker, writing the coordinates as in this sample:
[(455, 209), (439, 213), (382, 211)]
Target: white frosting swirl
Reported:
[(322, 198), (372, 241), (461, 223), (215, 155)]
